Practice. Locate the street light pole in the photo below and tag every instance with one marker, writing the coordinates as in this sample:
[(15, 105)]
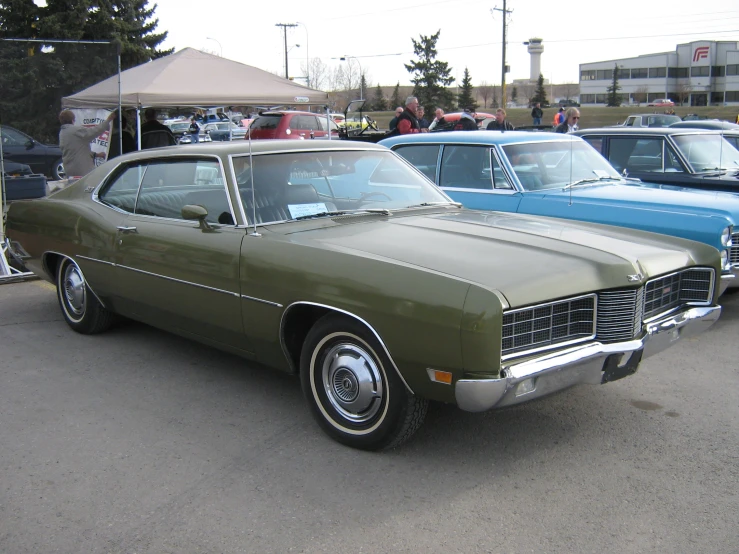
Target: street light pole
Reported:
[(361, 74), (307, 58), (218, 43)]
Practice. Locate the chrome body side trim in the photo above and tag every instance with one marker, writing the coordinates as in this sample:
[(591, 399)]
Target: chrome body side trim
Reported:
[(230, 293), (354, 316), (581, 364), (245, 297)]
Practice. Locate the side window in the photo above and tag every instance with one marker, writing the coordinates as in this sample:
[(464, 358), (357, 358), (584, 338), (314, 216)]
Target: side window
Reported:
[(672, 161), (423, 157), (595, 142), (635, 154), (630, 122), (121, 192), (12, 137), (463, 167), (491, 165), (167, 187)]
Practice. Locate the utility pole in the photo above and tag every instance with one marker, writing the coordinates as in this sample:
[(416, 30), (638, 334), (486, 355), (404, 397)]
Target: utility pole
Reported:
[(284, 29), (504, 99)]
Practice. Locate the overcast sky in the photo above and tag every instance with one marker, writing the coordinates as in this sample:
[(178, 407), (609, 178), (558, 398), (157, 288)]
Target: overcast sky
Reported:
[(379, 32)]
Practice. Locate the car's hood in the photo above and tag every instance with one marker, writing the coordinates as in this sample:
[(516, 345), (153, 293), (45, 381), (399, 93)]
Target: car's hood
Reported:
[(515, 254), (645, 197)]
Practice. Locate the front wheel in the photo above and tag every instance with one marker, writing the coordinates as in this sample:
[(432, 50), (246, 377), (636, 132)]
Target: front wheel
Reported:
[(352, 388), (82, 311), (57, 170)]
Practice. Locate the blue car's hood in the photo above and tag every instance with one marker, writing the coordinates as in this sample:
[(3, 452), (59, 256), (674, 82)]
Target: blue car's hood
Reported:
[(685, 201)]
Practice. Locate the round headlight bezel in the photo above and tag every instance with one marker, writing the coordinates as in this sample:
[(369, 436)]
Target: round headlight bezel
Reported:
[(726, 236)]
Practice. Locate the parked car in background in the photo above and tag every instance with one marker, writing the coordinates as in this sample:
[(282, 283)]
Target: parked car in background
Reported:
[(650, 120), (181, 132), (42, 158), (694, 117), (223, 130), (339, 262), (451, 119), (661, 102), (706, 124), (561, 176), (692, 158), (288, 124)]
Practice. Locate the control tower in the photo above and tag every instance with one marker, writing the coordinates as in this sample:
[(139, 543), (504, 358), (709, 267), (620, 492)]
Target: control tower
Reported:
[(535, 49)]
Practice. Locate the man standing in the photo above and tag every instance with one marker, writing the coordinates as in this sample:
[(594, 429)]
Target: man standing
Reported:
[(407, 120), (572, 118), (467, 121), (422, 121), (74, 142), (500, 123), (194, 130), (394, 121), (559, 117), (537, 114), (153, 133), (438, 120)]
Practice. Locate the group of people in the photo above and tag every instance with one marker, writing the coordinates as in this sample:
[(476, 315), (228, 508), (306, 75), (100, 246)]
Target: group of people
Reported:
[(411, 119), (75, 140)]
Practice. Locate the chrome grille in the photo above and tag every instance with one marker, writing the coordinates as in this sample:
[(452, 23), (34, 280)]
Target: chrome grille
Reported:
[(734, 250), (619, 314), (664, 293), (547, 324)]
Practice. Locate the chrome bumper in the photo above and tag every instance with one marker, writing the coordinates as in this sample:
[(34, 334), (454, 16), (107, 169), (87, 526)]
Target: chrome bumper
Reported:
[(593, 363), (729, 279)]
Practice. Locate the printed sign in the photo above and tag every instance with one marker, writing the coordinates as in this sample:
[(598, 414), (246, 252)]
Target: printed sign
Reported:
[(93, 118), (701, 53), (301, 210)]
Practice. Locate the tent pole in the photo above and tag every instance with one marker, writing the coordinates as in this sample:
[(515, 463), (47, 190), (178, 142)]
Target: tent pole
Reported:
[(138, 125), (120, 108), (328, 122)]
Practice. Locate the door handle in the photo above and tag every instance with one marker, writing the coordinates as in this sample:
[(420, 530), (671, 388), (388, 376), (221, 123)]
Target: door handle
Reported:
[(125, 230)]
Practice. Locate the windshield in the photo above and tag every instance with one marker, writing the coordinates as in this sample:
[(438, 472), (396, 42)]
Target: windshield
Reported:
[(549, 165), (707, 152), (296, 185), (179, 126)]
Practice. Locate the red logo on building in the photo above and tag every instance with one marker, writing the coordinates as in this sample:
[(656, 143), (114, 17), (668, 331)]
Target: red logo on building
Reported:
[(700, 53)]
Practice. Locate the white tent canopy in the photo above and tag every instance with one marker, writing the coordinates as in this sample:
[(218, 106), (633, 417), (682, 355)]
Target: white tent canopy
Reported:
[(191, 78)]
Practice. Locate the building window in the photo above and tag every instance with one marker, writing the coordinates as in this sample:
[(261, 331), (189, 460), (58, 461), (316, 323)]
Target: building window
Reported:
[(655, 72), (700, 71), (601, 98), (677, 72), (718, 71), (732, 96), (624, 73), (587, 75), (732, 69), (604, 74), (639, 73), (717, 98), (587, 98)]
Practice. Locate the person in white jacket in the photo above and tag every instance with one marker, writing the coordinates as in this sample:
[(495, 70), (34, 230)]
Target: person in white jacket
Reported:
[(75, 141)]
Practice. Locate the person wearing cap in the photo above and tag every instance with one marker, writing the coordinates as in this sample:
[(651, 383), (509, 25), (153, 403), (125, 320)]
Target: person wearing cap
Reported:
[(500, 123), (559, 117), (467, 120)]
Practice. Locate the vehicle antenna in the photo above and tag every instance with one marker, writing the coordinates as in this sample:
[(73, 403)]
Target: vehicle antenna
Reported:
[(571, 162), (251, 176)]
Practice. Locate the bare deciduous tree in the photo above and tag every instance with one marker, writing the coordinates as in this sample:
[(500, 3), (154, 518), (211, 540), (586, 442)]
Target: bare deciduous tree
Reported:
[(317, 73), (484, 91), (640, 94), (683, 91)]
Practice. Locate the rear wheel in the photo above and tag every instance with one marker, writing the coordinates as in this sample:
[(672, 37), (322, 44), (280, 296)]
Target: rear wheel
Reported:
[(352, 389), (82, 311), (57, 170)]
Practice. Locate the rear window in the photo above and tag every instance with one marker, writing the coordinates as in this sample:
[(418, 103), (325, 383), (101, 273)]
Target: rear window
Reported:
[(266, 122)]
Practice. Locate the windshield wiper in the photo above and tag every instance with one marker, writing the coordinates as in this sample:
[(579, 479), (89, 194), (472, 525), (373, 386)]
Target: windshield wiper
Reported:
[(381, 211), (319, 214), (590, 181), (440, 203)]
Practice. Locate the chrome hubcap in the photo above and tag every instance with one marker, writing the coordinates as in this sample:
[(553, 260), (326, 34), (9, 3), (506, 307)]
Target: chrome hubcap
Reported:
[(74, 290), (352, 381)]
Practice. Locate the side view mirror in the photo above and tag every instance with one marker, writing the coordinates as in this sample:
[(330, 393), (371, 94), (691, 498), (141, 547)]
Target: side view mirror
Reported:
[(196, 212), (30, 143)]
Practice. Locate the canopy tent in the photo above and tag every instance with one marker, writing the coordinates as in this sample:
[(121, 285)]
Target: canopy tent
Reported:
[(191, 78)]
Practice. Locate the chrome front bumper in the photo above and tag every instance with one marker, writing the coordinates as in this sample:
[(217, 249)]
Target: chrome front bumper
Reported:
[(592, 363)]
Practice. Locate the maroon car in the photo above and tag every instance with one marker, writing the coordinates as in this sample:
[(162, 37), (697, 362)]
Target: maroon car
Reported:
[(290, 124)]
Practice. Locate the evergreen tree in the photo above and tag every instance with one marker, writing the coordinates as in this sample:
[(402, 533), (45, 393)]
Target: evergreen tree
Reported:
[(395, 99), (379, 104), (363, 92), (430, 76), (514, 94), (540, 95), (613, 98), (34, 77), (465, 98)]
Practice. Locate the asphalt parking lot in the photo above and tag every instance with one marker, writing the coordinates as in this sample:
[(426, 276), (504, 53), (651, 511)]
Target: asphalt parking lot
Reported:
[(137, 441)]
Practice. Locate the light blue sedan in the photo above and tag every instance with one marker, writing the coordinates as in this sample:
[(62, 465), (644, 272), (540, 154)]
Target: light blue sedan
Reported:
[(562, 176)]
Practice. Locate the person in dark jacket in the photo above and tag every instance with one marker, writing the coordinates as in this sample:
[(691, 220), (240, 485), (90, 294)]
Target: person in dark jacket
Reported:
[(466, 121), (537, 113), (422, 121), (394, 121), (407, 121), (194, 130), (500, 123), (153, 133), (128, 144), (570, 125)]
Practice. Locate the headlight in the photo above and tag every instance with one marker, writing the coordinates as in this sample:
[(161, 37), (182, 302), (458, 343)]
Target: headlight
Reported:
[(726, 236), (724, 258)]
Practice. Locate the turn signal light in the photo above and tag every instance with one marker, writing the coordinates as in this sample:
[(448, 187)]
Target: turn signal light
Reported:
[(437, 376)]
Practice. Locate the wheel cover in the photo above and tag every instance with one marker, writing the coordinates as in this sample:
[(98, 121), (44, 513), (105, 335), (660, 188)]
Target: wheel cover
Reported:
[(73, 290), (352, 381)]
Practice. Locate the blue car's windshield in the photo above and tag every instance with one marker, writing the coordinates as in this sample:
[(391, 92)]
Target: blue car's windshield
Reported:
[(708, 152), (549, 165)]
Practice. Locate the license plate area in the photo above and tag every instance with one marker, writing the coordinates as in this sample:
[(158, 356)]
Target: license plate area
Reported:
[(612, 371)]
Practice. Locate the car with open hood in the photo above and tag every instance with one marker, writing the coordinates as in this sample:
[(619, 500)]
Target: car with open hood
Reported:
[(562, 176), (339, 262)]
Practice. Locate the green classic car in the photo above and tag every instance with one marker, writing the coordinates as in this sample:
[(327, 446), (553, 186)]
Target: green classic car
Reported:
[(340, 262)]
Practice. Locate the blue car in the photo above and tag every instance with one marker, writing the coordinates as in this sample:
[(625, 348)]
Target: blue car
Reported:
[(562, 176)]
